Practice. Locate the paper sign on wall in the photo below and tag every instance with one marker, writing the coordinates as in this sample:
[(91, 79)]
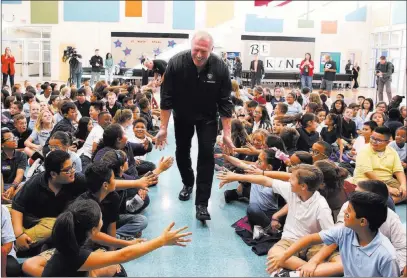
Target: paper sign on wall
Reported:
[(261, 49), (282, 64)]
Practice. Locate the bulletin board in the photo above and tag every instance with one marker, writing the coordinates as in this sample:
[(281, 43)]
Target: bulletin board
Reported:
[(128, 49), (335, 56)]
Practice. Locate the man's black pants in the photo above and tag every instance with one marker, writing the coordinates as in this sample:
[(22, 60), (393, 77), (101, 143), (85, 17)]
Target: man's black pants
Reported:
[(207, 132)]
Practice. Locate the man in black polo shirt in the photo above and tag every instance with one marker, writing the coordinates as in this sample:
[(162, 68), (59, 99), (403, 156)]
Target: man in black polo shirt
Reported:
[(13, 164), (43, 197), (82, 104), (197, 87)]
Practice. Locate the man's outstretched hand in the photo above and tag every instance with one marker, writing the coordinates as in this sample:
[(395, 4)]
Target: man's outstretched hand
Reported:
[(161, 139)]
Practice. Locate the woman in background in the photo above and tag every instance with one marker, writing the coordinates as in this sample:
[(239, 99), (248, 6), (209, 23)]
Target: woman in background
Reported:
[(109, 66), (307, 71), (7, 66), (237, 70), (355, 71)]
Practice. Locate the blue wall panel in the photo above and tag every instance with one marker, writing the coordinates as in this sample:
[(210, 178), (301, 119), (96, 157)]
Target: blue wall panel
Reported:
[(92, 11), (357, 15), (183, 15), (256, 24)]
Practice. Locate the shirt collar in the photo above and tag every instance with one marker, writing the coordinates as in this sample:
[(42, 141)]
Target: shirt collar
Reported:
[(308, 202), (3, 154), (371, 247)]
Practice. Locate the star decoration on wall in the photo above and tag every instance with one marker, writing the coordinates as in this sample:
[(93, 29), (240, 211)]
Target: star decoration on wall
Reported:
[(122, 64), (126, 51), (117, 43), (171, 43), (157, 51)]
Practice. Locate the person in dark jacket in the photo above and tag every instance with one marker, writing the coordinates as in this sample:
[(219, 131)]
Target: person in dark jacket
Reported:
[(197, 87), (97, 64), (158, 67), (237, 70), (257, 71), (394, 121), (70, 112)]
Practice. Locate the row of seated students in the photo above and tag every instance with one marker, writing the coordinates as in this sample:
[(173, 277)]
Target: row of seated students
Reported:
[(88, 177), (306, 175), (276, 136)]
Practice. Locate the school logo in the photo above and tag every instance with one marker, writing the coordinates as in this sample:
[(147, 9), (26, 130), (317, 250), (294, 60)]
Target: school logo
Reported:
[(210, 75)]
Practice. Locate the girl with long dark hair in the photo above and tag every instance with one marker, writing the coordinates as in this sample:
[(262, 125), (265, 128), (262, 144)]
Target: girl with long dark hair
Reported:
[(109, 67), (73, 228), (307, 71)]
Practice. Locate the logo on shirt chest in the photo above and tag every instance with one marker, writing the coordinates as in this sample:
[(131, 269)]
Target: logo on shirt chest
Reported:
[(210, 76)]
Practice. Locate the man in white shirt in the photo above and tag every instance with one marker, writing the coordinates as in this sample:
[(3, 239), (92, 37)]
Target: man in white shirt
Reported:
[(85, 153)]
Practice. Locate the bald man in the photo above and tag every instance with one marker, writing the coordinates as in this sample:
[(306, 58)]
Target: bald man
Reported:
[(157, 66), (197, 87)]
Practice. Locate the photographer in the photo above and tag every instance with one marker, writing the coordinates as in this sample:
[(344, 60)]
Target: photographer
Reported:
[(97, 64), (384, 70), (75, 64)]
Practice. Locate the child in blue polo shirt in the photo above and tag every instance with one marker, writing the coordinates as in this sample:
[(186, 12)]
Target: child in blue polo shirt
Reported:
[(365, 252)]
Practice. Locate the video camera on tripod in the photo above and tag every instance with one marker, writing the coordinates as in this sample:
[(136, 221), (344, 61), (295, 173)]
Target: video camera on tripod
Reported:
[(70, 52), (71, 55)]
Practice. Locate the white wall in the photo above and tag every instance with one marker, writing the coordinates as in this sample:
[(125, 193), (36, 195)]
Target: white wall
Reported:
[(90, 35)]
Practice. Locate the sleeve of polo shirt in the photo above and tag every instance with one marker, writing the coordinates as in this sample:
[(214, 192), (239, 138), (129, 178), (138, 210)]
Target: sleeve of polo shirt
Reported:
[(22, 161), (282, 188), (363, 161), (7, 232), (225, 105), (390, 268), (167, 88), (333, 235), (23, 198), (397, 236), (325, 219), (397, 167)]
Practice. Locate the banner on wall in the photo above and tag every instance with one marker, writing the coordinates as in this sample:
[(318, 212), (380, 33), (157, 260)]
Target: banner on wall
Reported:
[(335, 56), (277, 53), (128, 49)]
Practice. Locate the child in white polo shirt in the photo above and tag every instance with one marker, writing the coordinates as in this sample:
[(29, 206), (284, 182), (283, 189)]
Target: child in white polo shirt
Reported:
[(365, 251), (308, 213)]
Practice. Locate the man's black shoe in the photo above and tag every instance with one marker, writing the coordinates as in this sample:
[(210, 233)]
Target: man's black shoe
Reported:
[(185, 193), (202, 213)]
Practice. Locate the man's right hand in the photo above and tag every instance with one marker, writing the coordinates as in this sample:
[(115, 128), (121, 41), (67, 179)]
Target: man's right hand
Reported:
[(23, 242), (149, 180), (161, 139)]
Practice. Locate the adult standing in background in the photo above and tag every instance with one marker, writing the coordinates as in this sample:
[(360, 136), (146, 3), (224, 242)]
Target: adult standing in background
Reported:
[(97, 63), (158, 67), (329, 74), (355, 71), (307, 71), (197, 87), (7, 66), (109, 66), (226, 61), (237, 70), (257, 70), (76, 67), (384, 70)]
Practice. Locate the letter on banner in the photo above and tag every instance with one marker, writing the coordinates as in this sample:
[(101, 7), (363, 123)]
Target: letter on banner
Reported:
[(298, 62), (289, 64), (270, 62), (254, 49), (280, 63), (265, 49)]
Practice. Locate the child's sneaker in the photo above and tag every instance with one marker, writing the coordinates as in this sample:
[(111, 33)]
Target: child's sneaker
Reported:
[(134, 204)]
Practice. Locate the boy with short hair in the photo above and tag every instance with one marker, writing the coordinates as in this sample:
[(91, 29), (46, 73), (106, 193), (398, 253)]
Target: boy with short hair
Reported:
[(399, 144), (21, 131), (392, 228), (308, 211), (365, 252)]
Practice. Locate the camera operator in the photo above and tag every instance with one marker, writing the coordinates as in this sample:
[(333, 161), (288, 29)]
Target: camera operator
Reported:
[(384, 70), (76, 68), (97, 64)]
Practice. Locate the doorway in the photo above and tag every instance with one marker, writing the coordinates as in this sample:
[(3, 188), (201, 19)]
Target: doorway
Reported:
[(31, 47)]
